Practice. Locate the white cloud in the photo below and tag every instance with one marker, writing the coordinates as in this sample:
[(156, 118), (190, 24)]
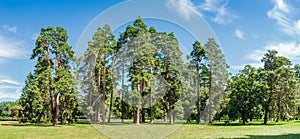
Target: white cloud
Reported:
[(284, 16), (185, 8), (220, 8), (9, 28), (9, 81), (290, 50), (240, 67), (11, 49), (281, 5), (239, 34), (9, 89), (256, 55), (10, 95), (235, 67)]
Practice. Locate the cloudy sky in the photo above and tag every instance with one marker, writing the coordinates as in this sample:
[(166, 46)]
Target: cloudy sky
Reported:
[(245, 30)]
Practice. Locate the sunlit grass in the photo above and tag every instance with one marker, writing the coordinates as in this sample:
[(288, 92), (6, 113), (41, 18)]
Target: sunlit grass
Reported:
[(118, 130), (252, 130), (13, 130)]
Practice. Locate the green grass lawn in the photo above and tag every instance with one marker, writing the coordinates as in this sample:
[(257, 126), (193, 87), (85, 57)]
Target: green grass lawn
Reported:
[(116, 130)]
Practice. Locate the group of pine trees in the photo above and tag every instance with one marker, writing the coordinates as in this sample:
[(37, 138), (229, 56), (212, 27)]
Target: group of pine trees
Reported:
[(143, 75), (125, 76)]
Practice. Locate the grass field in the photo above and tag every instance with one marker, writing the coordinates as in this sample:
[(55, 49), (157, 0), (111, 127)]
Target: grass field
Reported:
[(83, 130)]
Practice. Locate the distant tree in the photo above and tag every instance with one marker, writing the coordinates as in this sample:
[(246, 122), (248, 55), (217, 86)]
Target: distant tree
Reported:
[(7, 109), (243, 96)]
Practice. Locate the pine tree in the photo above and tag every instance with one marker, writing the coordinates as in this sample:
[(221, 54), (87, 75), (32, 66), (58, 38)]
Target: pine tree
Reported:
[(31, 102), (52, 70), (171, 64), (198, 56), (98, 76), (217, 76)]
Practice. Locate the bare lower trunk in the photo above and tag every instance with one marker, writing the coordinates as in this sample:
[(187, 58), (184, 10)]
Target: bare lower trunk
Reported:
[(122, 116), (112, 92), (123, 88), (97, 115), (104, 92), (150, 95), (56, 94), (279, 109), (103, 112), (137, 112), (171, 121), (143, 114), (110, 106), (151, 114), (64, 118), (210, 97), (198, 95), (267, 110), (244, 119), (199, 108), (267, 114), (143, 102), (137, 116), (55, 109)]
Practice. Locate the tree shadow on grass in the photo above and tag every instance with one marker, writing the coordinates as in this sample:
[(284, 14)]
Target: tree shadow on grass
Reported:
[(81, 122), (130, 123), (285, 136), (27, 124), (248, 124)]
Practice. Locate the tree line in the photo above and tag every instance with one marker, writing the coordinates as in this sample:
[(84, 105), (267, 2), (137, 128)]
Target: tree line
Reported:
[(144, 76), (271, 91)]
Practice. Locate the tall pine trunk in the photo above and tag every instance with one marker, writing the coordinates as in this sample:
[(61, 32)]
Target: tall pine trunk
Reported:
[(55, 96), (267, 112), (244, 119), (143, 113), (143, 103), (210, 95), (123, 89), (171, 120), (99, 88), (198, 96), (150, 95), (104, 91), (279, 108), (112, 92), (137, 112), (267, 109), (137, 116)]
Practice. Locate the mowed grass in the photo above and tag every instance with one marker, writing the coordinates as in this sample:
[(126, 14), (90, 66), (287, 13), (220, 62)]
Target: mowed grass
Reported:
[(282, 130), (117, 130), (13, 130)]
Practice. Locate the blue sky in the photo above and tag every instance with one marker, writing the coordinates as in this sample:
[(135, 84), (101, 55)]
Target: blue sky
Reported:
[(245, 30)]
